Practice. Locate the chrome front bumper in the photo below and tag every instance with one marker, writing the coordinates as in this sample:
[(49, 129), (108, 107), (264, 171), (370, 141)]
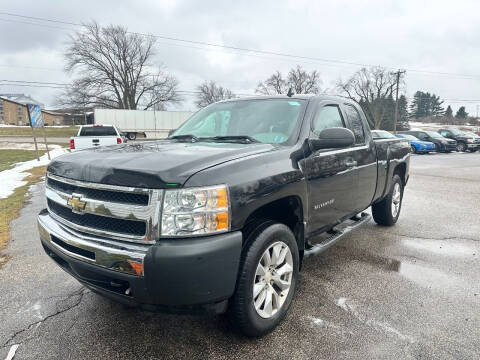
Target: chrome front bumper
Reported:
[(103, 252)]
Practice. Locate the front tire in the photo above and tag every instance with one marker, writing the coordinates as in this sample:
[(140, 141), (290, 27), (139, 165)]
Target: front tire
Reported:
[(461, 147), (267, 279), (387, 211), (413, 149)]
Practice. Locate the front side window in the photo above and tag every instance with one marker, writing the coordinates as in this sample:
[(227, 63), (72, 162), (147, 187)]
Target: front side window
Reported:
[(328, 116), (271, 121), (444, 133), (355, 123)]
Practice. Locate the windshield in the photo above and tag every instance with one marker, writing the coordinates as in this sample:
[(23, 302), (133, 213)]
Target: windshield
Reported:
[(456, 132), (409, 137), (434, 135), (270, 121)]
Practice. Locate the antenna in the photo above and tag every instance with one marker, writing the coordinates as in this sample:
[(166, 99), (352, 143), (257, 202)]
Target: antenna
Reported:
[(290, 92)]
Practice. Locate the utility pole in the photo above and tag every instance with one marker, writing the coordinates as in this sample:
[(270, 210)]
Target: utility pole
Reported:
[(398, 74)]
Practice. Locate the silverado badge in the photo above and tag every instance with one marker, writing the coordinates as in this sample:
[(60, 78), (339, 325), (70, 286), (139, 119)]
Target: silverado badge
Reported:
[(76, 204)]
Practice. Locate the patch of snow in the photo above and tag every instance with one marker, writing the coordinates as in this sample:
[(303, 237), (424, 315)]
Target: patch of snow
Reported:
[(28, 126), (377, 325), (328, 325), (14, 177), (12, 351), (5, 145)]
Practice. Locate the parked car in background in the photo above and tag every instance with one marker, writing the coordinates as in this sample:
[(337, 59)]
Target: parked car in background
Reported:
[(89, 136), (464, 141), (382, 134), (418, 146), (442, 144)]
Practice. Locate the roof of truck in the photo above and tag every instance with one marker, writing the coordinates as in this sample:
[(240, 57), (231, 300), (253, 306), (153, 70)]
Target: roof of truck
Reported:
[(296, 96)]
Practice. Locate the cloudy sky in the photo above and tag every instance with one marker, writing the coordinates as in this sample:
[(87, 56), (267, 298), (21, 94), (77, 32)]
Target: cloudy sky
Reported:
[(424, 37)]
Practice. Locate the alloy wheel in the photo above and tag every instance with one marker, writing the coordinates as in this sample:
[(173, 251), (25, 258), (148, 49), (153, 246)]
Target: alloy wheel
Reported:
[(273, 279), (396, 199)]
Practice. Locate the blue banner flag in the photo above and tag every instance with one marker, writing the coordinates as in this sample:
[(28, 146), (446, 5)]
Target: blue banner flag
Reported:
[(35, 113)]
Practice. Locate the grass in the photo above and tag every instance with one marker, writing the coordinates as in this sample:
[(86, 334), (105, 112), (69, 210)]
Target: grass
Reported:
[(8, 157), (49, 131), (11, 206)]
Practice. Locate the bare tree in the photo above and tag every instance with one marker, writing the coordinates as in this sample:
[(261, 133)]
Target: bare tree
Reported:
[(373, 89), (210, 92), (275, 84), (115, 71), (298, 79), (303, 82)]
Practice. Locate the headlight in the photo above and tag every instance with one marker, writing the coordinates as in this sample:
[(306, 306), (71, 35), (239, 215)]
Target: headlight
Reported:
[(470, 140), (195, 211)]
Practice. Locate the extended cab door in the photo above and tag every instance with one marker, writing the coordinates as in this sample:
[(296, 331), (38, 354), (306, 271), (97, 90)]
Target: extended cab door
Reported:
[(330, 174), (364, 156)]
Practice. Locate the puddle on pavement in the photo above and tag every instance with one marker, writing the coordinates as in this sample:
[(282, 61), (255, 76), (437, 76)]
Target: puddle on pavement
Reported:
[(432, 278), (441, 247), (376, 260)]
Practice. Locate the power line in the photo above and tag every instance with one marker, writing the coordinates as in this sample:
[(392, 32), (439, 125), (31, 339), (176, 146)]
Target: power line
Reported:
[(248, 50)]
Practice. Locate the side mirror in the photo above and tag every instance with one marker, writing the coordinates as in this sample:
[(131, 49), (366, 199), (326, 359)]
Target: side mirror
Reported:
[(170, 132), (335, 137)]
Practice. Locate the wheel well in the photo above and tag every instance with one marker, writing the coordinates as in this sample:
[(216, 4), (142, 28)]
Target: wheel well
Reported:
[(400, 170), (288, 211)]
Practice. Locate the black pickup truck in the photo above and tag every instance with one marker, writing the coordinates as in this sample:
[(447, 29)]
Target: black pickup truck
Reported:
[(220, 216)]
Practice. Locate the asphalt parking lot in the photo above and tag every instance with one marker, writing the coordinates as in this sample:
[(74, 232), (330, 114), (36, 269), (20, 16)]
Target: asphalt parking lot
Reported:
[(407, 292)]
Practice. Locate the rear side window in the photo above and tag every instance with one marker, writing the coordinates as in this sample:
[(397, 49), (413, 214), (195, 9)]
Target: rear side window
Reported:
[(328, 116), (98, 131), (444, 133), (355, 123)]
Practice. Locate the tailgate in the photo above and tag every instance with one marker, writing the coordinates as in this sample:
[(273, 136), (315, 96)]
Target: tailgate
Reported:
[(85, 142)]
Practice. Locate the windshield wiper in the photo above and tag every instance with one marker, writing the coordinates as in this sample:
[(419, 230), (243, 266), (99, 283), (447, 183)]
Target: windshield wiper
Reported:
[(187, 137), (243, 138)]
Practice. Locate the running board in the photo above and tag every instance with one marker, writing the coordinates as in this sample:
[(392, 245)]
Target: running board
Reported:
[(337, 235)]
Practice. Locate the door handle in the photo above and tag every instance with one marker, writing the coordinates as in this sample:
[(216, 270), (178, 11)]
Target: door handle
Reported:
[(351, 163)]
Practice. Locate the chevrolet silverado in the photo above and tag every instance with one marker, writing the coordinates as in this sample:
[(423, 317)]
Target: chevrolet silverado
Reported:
[(220, 216)]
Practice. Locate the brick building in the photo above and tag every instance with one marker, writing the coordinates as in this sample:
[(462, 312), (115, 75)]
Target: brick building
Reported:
[(13, 112)]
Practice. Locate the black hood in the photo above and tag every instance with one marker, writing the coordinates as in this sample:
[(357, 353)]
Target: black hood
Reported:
[(150, 164)]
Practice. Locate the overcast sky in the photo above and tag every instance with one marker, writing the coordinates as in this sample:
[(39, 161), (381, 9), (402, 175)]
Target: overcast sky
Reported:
[(437, 36)]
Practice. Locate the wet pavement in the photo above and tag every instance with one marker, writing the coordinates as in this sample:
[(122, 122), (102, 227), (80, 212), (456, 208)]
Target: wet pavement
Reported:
[(408, 292)]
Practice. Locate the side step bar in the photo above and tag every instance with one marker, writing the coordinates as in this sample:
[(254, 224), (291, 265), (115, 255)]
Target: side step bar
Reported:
[(337, 235)]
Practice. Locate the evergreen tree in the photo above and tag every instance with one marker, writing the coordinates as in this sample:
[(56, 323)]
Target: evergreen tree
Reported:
[(436, 106), (461, 113), (449, 112), (425, 104), (402, 109)]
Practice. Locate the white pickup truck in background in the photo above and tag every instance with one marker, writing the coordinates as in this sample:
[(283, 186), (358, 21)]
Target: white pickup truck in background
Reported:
[(89, 136)]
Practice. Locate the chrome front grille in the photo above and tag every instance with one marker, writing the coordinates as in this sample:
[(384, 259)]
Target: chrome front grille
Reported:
[(123, 213)]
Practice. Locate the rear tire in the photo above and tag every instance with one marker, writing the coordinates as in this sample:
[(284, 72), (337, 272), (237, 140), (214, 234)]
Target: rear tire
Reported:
[(131, 136), (247, 311), (413, 149), (387, 211)]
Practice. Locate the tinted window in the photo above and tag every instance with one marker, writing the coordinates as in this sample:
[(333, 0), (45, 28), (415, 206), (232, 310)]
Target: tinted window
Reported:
[(328, 116), (444, 133), (355, 123), (98, 131), (422, 136)]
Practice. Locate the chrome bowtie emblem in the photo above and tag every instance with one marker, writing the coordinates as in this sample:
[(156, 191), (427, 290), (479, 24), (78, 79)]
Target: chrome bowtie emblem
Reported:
[(76, 204)]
